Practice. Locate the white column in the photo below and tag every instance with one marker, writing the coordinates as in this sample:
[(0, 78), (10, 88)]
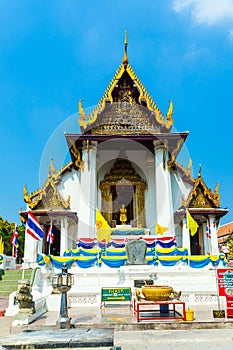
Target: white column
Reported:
[(186, 236), (150, 198), (214, 237), (87, 203), (64, 236), (163, 193)]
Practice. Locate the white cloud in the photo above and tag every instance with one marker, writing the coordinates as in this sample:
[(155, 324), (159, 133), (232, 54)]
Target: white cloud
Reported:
[(207, 12)]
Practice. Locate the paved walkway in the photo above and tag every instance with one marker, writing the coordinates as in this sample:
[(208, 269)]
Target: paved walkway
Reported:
[(117, 317)]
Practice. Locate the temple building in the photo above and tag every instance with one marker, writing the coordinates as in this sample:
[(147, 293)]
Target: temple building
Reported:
[(124, 163)]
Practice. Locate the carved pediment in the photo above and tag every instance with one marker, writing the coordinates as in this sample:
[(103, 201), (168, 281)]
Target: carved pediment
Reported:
[(125, 107), (48, 196), (201, 196)]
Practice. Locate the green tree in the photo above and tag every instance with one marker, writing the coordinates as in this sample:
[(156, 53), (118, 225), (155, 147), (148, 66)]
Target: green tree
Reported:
[(6, 231)]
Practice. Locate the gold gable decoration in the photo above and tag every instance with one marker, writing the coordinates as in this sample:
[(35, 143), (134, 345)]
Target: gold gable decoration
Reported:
[(201, 196), (125, 107), (48, 197)]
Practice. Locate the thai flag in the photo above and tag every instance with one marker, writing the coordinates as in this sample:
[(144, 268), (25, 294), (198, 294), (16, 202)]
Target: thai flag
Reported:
[(50, 235), (14, 238), (208, 232), (33, 227)]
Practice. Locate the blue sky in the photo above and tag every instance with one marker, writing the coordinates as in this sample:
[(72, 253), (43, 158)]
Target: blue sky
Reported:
[(53, 53)]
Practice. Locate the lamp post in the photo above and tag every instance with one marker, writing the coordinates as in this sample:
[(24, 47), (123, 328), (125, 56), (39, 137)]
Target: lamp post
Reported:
[(63, 282)]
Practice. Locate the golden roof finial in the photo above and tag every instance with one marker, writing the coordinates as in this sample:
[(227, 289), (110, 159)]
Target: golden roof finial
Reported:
[(170, 112), (52, 169), (125, 57), (217, 195), (199, 171), (25, 194), (216, 188)]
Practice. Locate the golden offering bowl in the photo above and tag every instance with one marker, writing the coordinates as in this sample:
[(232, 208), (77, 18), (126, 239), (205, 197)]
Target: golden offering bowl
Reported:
[(156, 293)]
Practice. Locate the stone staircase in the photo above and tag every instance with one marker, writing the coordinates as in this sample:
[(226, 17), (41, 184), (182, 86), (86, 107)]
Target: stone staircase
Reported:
[(9, 280)]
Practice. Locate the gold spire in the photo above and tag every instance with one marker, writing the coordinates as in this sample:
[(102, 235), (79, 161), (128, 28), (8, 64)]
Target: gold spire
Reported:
[(125, 57), (52, 169)]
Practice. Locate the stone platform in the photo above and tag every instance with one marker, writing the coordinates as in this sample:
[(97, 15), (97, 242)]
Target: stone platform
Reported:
[(52, 338)]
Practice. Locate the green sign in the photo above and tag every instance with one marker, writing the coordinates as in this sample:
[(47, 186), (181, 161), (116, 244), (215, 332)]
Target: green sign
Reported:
[(116, 294)]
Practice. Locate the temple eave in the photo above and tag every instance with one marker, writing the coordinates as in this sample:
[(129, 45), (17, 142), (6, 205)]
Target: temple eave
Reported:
[(50, 213), (199, 213), (172, 139)]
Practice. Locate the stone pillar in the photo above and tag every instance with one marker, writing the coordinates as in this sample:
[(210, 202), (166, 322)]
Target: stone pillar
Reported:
[(64, 236), (214, 238), (163, 192), (185, 235), (88, 195)]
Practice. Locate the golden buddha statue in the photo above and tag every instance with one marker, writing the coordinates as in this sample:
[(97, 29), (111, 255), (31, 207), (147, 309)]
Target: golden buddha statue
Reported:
[(123, 215)]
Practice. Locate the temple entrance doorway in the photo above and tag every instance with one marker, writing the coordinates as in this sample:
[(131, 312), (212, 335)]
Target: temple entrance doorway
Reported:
[(122, 188), (122, 194), (195, 241), (54, 248)]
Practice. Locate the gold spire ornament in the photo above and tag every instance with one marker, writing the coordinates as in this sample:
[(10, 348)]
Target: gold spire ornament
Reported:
[(82, 115), (169, 113), (125, 60), (52, 169), (217, 195), (25, 194), (199, 171)]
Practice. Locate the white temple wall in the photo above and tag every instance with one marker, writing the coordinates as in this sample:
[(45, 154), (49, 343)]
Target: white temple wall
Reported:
[(179, 189), (70, 186), (72, 237)]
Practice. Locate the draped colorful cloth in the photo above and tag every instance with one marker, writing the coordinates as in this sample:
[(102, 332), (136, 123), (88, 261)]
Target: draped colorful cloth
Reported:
[(163, 242), (90, 252), (117, 259)]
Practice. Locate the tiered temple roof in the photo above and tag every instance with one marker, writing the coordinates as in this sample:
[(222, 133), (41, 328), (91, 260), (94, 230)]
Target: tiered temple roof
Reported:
[(125, 107)]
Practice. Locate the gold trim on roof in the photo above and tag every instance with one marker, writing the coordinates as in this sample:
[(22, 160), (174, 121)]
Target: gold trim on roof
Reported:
[(189, 167), (216, 194), (172, 159), (143, 97), (201, 196), (78, 160), (181, 168), (48, 197)]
